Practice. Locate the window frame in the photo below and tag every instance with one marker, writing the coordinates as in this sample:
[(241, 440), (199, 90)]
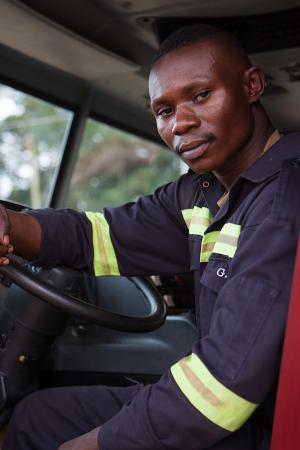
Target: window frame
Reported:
[(86, 105)]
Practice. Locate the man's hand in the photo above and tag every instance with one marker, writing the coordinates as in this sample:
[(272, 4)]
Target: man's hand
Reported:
[(87, 441), (19, 233), (5, 246)]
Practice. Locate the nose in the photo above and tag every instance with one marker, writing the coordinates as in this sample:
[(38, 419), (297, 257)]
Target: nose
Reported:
[(184, 119)]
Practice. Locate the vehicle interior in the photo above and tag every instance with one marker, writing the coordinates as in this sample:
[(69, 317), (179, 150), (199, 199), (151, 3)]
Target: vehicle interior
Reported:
[(76, 131)]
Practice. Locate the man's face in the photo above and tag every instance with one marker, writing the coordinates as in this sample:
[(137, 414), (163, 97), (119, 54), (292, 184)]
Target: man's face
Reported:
[(200, 102)]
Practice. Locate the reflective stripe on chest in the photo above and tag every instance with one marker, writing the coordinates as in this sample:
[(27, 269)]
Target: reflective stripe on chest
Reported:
[(223, 242)]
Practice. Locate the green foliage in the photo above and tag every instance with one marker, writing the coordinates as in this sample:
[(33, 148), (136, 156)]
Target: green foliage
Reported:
[(113, 166), (134, 178), (31, 136)]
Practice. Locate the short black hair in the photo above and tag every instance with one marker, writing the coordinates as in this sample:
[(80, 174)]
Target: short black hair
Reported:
[(200, 32)]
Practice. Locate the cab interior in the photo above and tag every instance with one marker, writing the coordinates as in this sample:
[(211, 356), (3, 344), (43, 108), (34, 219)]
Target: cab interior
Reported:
[(76, 131)]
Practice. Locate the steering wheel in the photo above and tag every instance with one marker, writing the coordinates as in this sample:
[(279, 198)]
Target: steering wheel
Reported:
[(83, 310)]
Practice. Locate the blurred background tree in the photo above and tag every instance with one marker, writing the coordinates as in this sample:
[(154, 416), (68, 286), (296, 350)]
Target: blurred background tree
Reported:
[(31, 136), (113, 166)]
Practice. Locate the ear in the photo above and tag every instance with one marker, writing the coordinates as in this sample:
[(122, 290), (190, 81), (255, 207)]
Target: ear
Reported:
[(254, 83)]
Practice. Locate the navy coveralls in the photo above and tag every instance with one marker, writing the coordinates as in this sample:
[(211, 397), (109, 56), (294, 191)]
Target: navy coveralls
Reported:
[(221, 395)]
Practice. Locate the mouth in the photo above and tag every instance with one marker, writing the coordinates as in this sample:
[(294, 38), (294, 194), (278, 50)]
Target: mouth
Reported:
[(193, 150)]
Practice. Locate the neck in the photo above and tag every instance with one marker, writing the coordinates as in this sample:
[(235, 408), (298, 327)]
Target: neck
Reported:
[(249, 152)]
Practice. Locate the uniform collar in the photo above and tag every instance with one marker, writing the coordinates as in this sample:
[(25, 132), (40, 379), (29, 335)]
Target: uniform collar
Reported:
[(264, 167), (275, 136), (270, 162)]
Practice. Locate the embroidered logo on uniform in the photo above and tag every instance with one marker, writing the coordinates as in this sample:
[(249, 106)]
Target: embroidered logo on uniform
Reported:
[(221, 272)]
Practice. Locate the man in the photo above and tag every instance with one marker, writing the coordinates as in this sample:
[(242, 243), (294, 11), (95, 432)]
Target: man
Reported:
[(232, 220)]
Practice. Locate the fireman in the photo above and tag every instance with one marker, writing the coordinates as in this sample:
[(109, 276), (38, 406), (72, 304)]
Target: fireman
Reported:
[(232, 220)]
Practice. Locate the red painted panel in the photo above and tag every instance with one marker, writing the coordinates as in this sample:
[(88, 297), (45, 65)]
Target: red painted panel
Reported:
[(286, 431)]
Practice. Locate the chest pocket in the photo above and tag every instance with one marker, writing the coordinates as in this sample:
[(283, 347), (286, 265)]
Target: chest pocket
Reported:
[(216, 272), (223, 242), (217, 250)]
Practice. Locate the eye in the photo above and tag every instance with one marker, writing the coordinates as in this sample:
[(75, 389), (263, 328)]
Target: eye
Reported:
[(164, 112), (201, 95)]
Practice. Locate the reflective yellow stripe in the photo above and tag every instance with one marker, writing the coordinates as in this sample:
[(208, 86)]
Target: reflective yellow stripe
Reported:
[(197, 219), (223, 242), (187, 215), (214, 400), (208, 244), (105, 261), (201, 219), (228, 239)]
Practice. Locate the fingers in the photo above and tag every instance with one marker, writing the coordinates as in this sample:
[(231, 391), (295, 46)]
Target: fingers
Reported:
[(4, 227), (4, 261), (5, 245), (4, 250)]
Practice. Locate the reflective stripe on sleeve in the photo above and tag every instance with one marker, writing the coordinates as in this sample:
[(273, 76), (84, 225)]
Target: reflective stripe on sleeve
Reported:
[(105, 261), (197, 219), (210, 397)]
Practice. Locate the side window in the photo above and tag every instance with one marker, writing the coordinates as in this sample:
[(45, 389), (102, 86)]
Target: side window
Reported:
[(115, 167), (32, 134)]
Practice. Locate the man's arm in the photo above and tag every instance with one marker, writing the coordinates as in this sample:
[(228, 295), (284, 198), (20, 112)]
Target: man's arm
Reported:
[(87, 441), (208, 395), (128, 240)]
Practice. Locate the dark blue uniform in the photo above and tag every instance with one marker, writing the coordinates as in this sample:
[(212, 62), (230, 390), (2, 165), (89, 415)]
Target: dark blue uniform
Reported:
[(221, 395)]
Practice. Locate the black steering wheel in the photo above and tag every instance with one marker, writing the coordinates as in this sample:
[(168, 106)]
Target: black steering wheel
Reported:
[(83, 310)]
